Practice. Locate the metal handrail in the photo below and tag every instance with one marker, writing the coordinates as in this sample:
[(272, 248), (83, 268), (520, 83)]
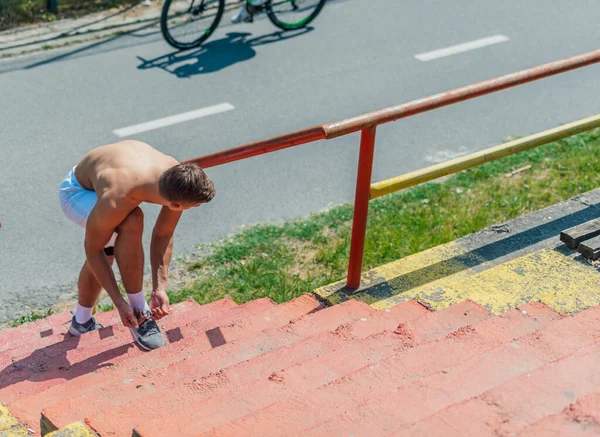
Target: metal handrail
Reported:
[(367, 124)]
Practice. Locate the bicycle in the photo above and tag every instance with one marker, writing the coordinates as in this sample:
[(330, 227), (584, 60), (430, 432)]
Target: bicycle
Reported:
[(186, 24)]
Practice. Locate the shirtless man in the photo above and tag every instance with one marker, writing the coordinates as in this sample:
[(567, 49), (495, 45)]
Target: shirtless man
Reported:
[(102, 194)]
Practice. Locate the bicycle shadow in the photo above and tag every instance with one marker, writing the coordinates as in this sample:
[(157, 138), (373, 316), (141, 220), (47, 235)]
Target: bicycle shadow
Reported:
[(217, 54)]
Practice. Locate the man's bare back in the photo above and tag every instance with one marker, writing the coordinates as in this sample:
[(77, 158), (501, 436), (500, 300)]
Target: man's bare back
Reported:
[(102, 194), (127, 169)]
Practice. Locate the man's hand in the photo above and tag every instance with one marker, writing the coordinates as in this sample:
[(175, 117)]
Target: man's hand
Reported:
[(159, 304), (127, 316)]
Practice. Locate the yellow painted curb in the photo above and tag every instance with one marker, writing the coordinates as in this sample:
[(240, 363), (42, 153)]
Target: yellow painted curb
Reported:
[(445, 262), (10, 426), (77, 429), (559, 281), (444, 275)]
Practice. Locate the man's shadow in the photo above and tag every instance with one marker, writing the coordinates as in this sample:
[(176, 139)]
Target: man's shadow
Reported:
[(64, 357), (51, 363), (218, 54)]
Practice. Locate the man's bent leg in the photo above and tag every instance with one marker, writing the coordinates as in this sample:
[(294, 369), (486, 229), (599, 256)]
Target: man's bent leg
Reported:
[(129, 253), (89, 287), (89, 290), (77, 203)]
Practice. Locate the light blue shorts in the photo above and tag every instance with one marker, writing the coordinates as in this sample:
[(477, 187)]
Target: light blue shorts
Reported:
[(77, 202)]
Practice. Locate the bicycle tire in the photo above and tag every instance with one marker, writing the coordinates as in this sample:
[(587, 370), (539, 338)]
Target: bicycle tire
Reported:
[(272, 14), (177, 42)]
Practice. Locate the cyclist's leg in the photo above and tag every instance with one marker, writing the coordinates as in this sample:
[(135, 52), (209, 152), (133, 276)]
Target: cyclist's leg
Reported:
[(243, 14)]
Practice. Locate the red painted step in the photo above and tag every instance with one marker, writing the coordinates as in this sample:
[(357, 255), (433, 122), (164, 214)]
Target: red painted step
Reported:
[(317, 406), (358, 320), (27, 392), (510, 408), (54, 324), (148, 374), (41, 333), (229, 405), (164, 388), (581, 419), (386, 320), (440, 323), (29, 344), (430, 395), (31, 371), (24, 339)]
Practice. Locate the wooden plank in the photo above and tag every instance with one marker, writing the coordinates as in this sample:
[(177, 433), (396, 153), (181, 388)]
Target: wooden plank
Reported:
[(590, 248), (575, 235)]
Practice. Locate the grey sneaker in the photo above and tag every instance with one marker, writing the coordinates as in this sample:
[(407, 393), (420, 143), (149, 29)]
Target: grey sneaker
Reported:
[(77, 329), (147, 335)]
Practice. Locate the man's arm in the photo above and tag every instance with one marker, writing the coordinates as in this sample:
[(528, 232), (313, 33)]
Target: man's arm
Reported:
[(106, 215), (161, 250)]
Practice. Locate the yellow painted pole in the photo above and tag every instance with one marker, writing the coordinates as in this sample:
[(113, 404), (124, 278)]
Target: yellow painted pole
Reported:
[(417, 177)]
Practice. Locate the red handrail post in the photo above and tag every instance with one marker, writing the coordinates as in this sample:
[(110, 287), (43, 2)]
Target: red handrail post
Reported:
[(361, 206)]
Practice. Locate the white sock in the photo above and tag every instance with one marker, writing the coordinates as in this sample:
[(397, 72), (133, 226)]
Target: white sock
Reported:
[(83, 314), (137, 300)]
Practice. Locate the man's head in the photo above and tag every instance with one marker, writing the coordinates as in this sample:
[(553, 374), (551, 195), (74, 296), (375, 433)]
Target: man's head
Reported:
[(185, 186)]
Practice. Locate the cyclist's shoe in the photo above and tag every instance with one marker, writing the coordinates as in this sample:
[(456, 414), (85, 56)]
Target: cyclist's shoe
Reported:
[(77, 329), (147, 335), (242, 16), (146, 3)]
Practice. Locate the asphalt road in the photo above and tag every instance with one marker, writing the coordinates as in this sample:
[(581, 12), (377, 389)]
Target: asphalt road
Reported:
[(356, 57)]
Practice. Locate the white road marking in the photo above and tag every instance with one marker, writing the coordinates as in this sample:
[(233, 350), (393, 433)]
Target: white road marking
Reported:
[(459, 48), (174, 119)]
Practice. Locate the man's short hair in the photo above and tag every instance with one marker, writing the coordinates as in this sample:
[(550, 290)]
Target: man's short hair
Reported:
[(186, 183)]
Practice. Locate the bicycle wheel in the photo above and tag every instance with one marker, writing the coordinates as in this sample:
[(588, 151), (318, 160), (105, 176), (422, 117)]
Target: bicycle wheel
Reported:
[(293, 14), (186, 24)]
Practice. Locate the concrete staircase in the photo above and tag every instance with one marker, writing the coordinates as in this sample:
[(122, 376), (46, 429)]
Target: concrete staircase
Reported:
[(495, 334), (299, 369)]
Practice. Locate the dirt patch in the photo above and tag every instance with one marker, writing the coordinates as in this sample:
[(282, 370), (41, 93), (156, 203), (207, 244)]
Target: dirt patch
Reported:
[(461, 332)]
